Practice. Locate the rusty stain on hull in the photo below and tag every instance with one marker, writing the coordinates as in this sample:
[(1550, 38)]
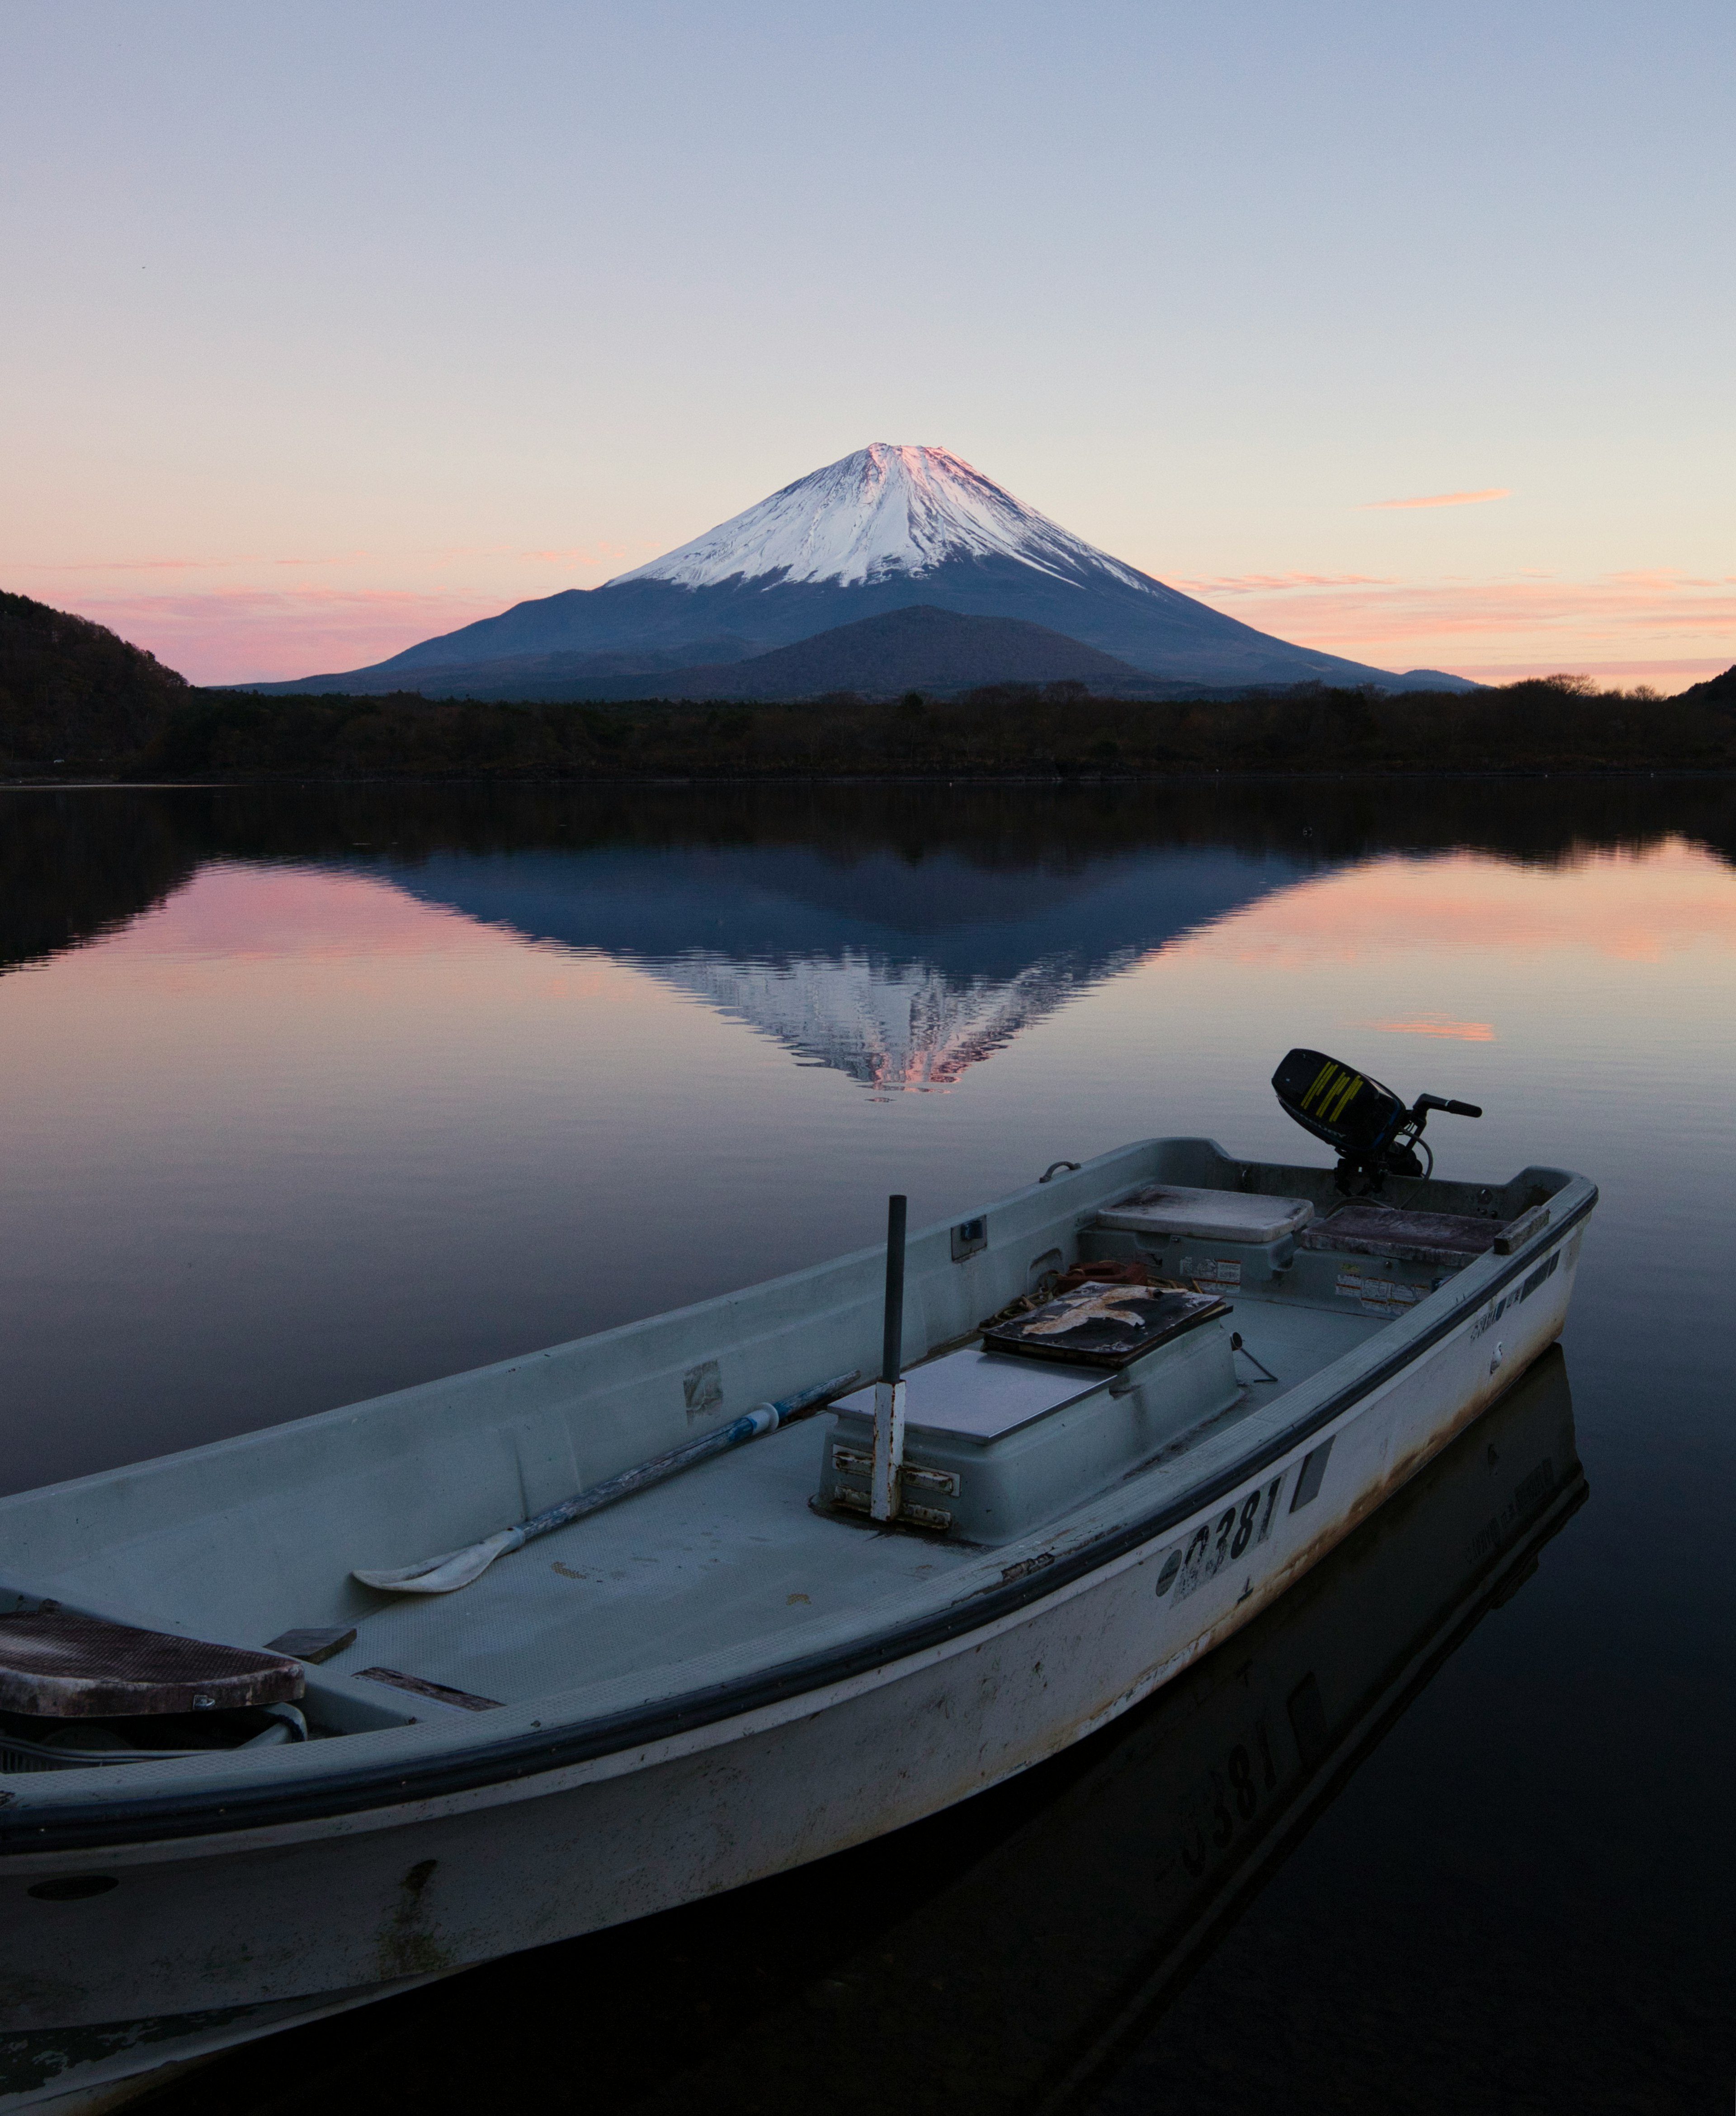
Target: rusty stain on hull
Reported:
[(408, 1946), (1368, 1502)]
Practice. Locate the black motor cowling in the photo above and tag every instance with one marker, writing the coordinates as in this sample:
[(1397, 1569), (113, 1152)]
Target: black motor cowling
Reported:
[(1359, 1117)]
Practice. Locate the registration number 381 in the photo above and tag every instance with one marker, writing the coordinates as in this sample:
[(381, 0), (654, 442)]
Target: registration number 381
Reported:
[(1221, 1541)]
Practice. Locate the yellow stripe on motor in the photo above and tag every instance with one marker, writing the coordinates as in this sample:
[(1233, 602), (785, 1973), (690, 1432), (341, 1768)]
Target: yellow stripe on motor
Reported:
[(1327, 1072), (1346, 1097)]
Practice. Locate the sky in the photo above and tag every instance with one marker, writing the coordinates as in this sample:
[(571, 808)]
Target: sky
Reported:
[(1403, 333)]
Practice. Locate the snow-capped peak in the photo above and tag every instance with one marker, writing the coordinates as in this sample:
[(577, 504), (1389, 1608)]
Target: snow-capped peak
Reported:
[(884, 510)]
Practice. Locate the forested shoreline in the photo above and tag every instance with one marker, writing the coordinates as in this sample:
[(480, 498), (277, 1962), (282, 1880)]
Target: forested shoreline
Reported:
[(74, 700)]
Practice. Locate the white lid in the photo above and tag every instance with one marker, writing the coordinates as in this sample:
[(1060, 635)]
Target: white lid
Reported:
[(980, 1395), (1208, 1215)]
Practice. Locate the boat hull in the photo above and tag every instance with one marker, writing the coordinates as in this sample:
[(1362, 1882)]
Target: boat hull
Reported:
[(313, 1914)]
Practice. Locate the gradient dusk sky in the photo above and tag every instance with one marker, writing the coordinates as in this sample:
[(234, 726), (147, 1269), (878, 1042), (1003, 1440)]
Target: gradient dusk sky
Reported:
[(1401, 332)]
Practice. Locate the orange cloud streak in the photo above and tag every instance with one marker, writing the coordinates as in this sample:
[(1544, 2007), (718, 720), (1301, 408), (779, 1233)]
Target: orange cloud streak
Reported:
[(1527, 624), (1619, 604), (1461, 1031), (1444, 499)]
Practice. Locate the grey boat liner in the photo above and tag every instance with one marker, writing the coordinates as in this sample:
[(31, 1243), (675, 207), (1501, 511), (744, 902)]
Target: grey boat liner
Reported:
[(195, 1810)]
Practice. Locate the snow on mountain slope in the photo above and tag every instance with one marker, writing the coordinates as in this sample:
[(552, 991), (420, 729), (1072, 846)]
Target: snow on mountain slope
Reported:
[(883, 529), (885, 510)]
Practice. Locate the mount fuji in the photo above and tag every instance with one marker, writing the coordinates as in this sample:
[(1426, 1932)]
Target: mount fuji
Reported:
[(885, 529)]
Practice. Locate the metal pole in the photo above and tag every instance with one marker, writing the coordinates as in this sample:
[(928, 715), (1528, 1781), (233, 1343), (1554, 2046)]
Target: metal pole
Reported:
[(888, 1393), (892, 1348)]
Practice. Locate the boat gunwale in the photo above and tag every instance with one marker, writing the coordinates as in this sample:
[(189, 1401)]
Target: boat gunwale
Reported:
[(81, 1821)]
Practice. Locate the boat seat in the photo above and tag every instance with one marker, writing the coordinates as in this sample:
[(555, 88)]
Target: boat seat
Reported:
[(57, 1666), (1208, 1215), (1365, 1228)]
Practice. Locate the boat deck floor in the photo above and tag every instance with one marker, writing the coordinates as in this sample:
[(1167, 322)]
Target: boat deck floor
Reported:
[(729, 1558), (1297, 1340)]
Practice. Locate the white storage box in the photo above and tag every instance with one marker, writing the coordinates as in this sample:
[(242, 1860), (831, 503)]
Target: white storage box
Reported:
[(1208, 1215), (994, 1445)]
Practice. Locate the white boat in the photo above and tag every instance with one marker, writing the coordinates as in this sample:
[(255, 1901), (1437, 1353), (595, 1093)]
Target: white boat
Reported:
[(810, 1639)]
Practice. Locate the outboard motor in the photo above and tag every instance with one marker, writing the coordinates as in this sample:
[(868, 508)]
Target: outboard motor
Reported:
[(1366, 1125)]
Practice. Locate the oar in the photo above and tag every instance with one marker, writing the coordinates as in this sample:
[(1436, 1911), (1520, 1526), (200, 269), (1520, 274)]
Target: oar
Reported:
[(457, 1568)]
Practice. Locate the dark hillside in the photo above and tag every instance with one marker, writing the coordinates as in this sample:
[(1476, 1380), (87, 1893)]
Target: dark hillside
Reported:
[(1715, 690), (74, 693)]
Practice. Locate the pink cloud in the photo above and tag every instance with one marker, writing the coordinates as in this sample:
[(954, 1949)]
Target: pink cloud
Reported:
[(233, 618), (1444, 499), (579, 555), (179, 565), (243, 635), (1651, 624), (1663, 675), (1277, 584), (1615, 605)]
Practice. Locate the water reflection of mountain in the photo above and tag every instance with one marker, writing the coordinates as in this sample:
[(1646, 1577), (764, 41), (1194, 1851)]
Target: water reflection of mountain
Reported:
[(1006, 1957), (901, 971), (890, 1025), (1015, 868)]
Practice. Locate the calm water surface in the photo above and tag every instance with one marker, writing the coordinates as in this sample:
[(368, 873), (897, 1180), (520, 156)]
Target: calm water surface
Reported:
[(310, 1095)]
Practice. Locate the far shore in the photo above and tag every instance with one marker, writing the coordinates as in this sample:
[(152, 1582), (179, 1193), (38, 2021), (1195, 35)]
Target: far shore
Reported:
[(1008, 734), (1052, 781)]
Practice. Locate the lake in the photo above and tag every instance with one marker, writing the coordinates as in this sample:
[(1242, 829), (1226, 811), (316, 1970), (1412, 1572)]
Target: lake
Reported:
[(311, 1093)]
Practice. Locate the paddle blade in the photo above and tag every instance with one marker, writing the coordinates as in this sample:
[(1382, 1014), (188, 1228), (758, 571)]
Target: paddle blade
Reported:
[(442, 1575)]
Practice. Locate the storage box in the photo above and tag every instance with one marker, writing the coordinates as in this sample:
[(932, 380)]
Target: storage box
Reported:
[(995, 1445)]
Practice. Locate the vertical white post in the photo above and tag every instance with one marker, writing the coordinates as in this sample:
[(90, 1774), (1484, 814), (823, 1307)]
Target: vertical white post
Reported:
[(889, 1449)]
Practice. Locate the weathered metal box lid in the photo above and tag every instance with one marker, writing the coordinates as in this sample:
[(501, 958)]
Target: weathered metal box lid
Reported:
[(1367, 1229), (1102, 1325), (1207, 1216)]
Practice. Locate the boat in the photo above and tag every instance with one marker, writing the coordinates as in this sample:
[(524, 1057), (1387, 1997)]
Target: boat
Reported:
[(1008, 1956), (1118, 1413)]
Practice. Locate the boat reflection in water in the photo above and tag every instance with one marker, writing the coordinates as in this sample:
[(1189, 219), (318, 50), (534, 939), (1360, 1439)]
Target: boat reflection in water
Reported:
[(1005, 1955)]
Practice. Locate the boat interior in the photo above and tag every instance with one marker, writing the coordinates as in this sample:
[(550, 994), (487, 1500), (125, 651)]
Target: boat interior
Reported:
[(1255, 1279)]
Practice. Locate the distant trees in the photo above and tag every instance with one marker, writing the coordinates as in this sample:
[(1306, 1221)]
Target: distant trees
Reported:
[(73, 697), (1016, 730)]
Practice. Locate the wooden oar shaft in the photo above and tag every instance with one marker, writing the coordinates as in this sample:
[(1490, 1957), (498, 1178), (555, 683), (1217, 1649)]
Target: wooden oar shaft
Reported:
[(748, 1427), (456, 1568)]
